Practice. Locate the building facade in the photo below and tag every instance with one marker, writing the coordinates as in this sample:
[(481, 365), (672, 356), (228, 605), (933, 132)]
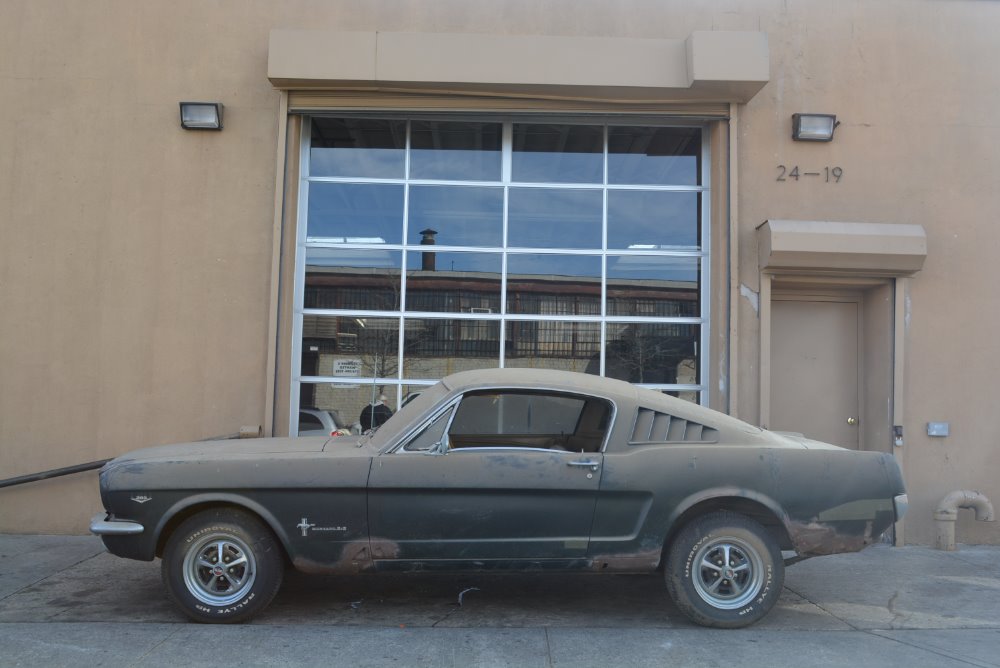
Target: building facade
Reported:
[(402, 190)]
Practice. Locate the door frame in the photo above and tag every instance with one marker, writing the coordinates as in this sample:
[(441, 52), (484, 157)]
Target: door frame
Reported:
[(775, 286)]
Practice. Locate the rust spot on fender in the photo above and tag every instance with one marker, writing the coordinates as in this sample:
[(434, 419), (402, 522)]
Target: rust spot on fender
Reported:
[(643, 561), (356, 557), (816, 539)]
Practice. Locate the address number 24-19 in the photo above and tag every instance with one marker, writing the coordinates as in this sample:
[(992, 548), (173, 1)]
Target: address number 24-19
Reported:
[(828, 174)]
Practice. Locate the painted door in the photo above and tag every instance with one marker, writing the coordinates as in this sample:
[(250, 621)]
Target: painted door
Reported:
[(815, 353)]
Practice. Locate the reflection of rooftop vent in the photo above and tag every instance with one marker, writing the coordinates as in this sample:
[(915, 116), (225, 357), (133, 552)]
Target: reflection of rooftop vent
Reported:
[(429, 262)]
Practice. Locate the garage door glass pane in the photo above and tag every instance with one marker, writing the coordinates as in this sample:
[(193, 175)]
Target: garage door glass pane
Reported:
[(456, 215), (558, 153), (548, 344), (455, 151), (652, 220), (342, 403), (650, 285), (453, 282), (436, 347), (349, 347), (357, 148), (355, 213), (368, 280), (658, 353), (554, 284), (654, 156), (554, 218)]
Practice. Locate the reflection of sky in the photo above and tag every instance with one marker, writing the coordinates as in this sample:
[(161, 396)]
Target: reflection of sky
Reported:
[(554, 218), (653, 156), (332, 257), (558, 153), (452, 165), (369, 163), (356, 210), (652, 217), (554, 265), (466, 262), (462, 215), (651, 267)]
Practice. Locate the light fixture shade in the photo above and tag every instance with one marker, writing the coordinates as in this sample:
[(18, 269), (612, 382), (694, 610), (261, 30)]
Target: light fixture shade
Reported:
[(813, 127), (201, 115)]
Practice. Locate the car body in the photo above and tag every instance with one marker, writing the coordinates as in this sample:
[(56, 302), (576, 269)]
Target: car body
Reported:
[(503, 469)]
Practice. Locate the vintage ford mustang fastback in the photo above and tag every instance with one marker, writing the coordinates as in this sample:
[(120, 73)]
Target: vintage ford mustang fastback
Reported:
[(503, 469)]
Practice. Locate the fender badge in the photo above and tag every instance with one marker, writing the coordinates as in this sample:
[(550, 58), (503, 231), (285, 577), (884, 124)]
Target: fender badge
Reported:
[(142, 499), (305, 526)]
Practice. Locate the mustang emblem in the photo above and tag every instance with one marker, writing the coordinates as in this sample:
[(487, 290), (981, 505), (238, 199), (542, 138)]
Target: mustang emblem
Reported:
[(142, 498), (304, 525)]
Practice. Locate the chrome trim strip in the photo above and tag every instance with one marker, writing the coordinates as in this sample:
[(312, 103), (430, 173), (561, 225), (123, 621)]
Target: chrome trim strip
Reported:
[(102, 526)]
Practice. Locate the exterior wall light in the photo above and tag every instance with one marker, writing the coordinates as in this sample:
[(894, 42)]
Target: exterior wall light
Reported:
[(813, 127), (201, 115)]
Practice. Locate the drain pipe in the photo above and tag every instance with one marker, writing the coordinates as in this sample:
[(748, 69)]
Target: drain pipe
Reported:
[(947, 514)]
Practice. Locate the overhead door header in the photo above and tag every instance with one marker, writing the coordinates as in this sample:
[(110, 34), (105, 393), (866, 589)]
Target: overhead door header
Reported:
[(717, 67)]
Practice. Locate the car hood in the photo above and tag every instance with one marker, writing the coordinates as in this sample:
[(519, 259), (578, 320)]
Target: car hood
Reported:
[(233, 447)]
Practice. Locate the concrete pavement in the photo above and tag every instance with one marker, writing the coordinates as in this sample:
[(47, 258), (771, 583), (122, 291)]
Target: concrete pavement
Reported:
[(65, 602)]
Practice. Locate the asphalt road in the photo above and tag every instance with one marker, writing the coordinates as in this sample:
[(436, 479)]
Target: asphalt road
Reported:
[(66, 602)]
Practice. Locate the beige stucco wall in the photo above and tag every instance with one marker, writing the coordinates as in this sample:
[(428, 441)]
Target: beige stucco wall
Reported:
[(135, 256)]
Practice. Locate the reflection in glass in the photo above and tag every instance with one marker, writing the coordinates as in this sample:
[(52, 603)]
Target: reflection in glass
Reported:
[(456, 151), (357, 148), (435, 348), (453, 282), (350, 347), (456, 215), (554, 218), (366, 280), (558, 153), (355, 213), (554, 284), (648, 220), (546, 344), (654, 156), (650, 285), (661, 353), (340, 403)]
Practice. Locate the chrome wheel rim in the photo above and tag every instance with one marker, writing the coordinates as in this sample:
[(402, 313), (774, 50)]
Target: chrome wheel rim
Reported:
[(727, 573), (219, 569)]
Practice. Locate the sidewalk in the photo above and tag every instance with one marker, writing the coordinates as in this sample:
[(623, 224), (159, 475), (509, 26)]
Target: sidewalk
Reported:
[(66, 602)]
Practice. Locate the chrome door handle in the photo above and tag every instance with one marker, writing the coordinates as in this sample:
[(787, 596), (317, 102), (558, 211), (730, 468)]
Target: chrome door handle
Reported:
[(593, 465)]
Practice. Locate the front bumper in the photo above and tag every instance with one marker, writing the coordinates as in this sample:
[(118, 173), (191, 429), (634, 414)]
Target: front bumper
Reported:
[(102, 526)]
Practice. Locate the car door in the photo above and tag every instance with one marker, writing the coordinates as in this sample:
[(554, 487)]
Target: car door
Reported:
[(486, 480)]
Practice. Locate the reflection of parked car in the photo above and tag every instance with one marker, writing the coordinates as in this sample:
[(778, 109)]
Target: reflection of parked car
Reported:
[(315, 422), (504, 469)]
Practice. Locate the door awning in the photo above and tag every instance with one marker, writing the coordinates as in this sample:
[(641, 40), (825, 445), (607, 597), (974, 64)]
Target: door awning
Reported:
[(865, 249)]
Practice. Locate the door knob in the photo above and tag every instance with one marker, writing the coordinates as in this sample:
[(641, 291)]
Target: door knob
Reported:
[(852, 421)]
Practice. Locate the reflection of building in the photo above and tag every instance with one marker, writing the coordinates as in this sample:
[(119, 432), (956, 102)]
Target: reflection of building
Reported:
[(645, 352)]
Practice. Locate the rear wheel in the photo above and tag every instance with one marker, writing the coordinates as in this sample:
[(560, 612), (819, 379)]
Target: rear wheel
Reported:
[(724, 570), (222, 566)]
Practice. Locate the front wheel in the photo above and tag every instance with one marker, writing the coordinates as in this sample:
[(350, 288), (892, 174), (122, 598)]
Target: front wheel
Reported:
[(724, 570), (222, 566)]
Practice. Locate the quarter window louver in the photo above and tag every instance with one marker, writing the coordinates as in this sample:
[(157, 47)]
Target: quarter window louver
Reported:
[(656, 427)]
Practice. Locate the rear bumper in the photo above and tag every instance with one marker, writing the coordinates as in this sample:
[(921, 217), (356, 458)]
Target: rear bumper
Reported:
[(900, 503), (102, 526)]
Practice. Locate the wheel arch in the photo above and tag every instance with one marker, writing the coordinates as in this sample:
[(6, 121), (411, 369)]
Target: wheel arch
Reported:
[(758, 507), (193, 505)]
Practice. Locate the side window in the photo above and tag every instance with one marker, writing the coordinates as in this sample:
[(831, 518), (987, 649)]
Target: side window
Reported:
[(431, 435), (525, 419)]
